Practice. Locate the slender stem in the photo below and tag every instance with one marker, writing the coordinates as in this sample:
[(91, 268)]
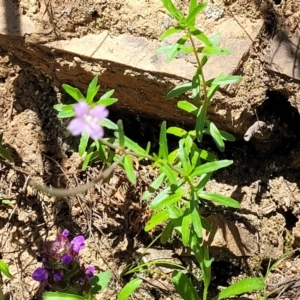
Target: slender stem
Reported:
[(69, 192), (200, 68), (112, 146)]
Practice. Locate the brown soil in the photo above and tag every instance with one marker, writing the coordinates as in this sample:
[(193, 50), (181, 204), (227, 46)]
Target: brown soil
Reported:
[(264, 177)]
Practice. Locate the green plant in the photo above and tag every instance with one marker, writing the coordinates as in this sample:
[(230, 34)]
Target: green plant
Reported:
[(178, 195), (5, 270)]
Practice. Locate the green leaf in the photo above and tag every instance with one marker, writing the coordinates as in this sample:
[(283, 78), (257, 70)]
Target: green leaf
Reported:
[(186, 227), (171, 31), (170, 173), (211, 167), (61, 296), (190, 20), (213, 50), (106, 102), (215, 133), (163, 146), (220, 199), (212, 90), (73, 92), (109, 124), (121, 133), (6, 154), (161, 196), (174, 212), (184, 157), (184, 286), (100, 281), (107, 95), (227, 136), (156, 219), (5, 269), (187, 106), (223, 79), (178, 90), (200, 35), (196, 84), (167, 201), (246, 285), (83, 143), (167, 233), (154, 186), (174, 12), (92, 90), (128, 166), (129, 288), (200, 121), (193, 4), (176, 131)]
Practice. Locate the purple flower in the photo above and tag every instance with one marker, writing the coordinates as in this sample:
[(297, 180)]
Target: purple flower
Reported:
[(67, 258), (40, 275), (57, 276), (65, 233), (90, 271), (87, 120), (78, 243)]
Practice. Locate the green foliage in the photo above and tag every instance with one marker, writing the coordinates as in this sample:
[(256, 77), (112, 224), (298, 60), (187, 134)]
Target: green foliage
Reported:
[(129, 288), (3, 152), (100, 281), (178, 195)]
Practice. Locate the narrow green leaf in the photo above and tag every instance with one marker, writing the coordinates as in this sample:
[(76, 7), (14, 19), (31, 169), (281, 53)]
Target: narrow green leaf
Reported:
[(223, 79), (212, 90), (211, 167), (163, 146), (167, 201), (61, 296), (213, 50), (200, 121), (174, 212), (5, 269), (107, 95), (83, 143), (100, 281), (220, 199), (246, 285), (170, 173), (176, 131), (186, 227), (184, 286), (175, 49), (106, 102), (156, 219), (128, 166), (196, 84), (92, 90), (193, 4), (161, 196), (200, 35), (6, 154), (174, 12), (154, 186), (215, 133), (184, 157), (178, 90), (190, 20), (167, 233), (121, 134), (227, 136), (129, 288), (187, 106), (73, 92), (171, 31), (109, 124)]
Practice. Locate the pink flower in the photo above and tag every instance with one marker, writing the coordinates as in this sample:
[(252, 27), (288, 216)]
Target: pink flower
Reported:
[(78, 243), (87, 120)]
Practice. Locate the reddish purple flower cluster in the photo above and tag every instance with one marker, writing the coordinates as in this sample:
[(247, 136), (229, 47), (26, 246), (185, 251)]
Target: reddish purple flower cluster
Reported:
[(61, 270)]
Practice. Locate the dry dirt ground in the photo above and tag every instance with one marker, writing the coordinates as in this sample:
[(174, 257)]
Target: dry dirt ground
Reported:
[(264, 177)]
